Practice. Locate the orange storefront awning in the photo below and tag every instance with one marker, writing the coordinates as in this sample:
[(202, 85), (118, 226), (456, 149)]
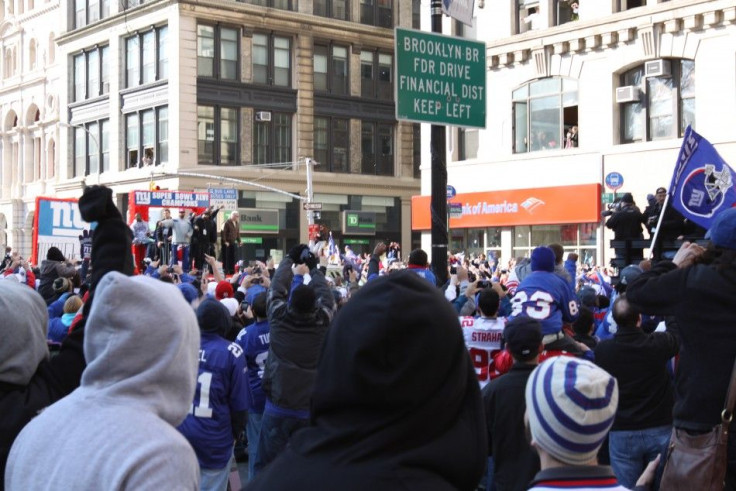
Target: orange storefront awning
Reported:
[(538, 206)]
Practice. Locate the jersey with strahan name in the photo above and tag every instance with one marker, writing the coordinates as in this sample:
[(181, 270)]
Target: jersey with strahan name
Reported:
[(483, 338), (546, 297), (221, 391)]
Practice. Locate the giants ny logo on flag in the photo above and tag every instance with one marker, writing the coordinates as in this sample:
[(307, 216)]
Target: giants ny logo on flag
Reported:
[(702, 185)]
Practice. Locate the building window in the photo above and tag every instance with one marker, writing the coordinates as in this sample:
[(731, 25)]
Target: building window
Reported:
[(335, 9), (91, 73), (528, 17), (630, 4), (467, 143), (217, 134), (416, 14), (331, 68), (271, 138), (277, 4), (376, 77), (145, 57), (544, 111), (89, 11), (218, 51), (660, 105), (377, 13), (565, 11), (377, 148), (91, 146), (162, 141), (332, 144), (271, 60), (146, 137), (578, 238)]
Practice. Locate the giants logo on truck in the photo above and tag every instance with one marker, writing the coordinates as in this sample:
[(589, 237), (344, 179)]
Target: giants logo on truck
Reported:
[(58, 223)]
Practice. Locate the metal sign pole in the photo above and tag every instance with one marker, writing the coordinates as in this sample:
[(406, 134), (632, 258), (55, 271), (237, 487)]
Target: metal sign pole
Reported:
[(439, 180)]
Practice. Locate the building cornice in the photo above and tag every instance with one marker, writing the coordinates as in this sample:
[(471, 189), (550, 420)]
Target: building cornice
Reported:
[(253, 16), (645, 25)]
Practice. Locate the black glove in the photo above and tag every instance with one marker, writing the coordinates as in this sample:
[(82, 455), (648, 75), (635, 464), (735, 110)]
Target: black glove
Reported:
[(296, 253), (96, 204), (311, 261)]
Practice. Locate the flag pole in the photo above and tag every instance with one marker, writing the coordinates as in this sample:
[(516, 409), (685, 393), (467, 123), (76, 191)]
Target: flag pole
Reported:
[(659, 223)]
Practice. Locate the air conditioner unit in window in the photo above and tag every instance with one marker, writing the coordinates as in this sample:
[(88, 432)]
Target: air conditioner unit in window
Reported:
[(263, 116), (629, 93), (657, 68)]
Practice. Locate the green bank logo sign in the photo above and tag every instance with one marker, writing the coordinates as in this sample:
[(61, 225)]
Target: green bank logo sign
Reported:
[(440, 79), (359, 222)]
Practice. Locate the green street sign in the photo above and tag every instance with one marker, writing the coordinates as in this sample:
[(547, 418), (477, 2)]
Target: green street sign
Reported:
[(607, 198), (357, 242), (251, 240), (440, 79)]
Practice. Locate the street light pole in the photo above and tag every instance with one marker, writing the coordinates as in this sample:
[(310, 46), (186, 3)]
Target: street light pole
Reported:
[(438, 207), (97, 145), (310, 195)]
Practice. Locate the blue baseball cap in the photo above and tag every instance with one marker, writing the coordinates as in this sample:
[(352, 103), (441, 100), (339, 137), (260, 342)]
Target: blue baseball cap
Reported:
[(722, 232)]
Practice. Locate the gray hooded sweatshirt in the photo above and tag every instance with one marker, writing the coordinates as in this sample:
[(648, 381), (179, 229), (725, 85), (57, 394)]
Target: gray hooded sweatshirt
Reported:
[(118, 429)]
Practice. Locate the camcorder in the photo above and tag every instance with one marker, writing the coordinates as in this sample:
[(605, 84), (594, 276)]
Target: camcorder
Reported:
[(612, 208), (484, 284)]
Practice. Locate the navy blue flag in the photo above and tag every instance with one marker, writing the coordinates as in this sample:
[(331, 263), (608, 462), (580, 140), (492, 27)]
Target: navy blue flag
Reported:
[(703, 183)]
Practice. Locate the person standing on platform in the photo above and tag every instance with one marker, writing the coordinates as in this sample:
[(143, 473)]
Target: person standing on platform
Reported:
[(230, 242)]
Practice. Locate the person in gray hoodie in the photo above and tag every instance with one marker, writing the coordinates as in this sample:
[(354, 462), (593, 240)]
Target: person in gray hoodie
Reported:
[(118, 429), (30, 380)]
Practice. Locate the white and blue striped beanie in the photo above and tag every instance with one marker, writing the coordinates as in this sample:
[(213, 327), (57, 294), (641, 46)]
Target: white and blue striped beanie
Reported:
[(571, 404)]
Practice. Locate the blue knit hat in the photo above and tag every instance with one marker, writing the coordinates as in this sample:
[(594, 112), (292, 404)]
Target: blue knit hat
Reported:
[(571, 404), (189, 292), (722, 232), (543, 259), (213, 316)]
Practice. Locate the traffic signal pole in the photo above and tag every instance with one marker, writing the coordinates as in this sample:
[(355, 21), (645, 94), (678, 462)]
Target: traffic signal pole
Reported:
[(438, 207)]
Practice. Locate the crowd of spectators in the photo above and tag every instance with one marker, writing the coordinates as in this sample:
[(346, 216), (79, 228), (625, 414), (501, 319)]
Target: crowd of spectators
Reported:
[(337, 370)]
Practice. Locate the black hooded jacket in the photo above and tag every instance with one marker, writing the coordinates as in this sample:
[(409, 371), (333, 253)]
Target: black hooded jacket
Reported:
[(701, 299), (396, 403)]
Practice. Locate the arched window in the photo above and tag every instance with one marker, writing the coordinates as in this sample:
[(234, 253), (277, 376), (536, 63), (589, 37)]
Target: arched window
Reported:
[(33, 115), (32, 54), (545, 110), (657, 100), (11, 121)]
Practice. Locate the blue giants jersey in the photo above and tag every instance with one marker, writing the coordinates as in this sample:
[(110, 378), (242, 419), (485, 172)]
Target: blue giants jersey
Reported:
[(546, 297), (255, 340), (221, 390)]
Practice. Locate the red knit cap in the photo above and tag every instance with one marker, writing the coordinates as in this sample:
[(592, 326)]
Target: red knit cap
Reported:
[(224, 290)]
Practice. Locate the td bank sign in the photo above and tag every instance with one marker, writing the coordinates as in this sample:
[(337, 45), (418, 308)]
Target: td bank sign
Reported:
[(358, 222)]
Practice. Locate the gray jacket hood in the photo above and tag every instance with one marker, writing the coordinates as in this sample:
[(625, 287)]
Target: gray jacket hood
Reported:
[(141, 345), (24, 324)]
